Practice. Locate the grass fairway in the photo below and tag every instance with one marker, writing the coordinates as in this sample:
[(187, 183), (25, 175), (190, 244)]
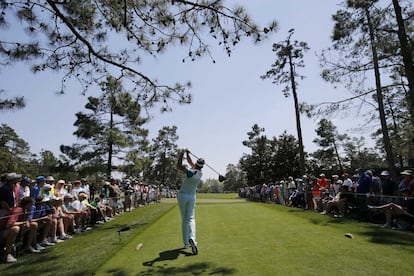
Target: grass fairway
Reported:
[(235, 237)]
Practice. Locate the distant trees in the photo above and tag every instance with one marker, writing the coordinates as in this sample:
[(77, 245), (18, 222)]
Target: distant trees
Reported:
[(368, 37), (269, 159), (164, 154)]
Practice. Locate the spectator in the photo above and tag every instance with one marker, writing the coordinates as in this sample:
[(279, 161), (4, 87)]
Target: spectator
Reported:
[(40, 214), (56, 220), (396, 211), (291, 185), (19, 221), (60, 190), (334, 188), (47, 191), (308, 193), (85, 186), (389, 187), (90, 210), (65, 221), (76, 189), (83, 214), (50, 181), (338, 203), (347, 182), (71, 212), (316, 195), (24, 187), (35, 192), (406, 184), (363, 192), (128, 192), (9, 193)]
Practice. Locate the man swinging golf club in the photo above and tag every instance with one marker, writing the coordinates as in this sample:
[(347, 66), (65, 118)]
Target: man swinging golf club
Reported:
[(186, 198)]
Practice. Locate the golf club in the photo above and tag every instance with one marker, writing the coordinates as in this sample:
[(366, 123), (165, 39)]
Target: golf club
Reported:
[(221, 178)]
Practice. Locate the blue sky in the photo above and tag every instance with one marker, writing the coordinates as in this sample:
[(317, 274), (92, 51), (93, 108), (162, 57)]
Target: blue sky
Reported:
[(228, 96)]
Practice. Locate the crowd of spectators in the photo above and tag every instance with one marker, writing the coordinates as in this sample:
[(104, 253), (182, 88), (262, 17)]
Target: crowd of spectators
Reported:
[(365, 195), (39, 213)]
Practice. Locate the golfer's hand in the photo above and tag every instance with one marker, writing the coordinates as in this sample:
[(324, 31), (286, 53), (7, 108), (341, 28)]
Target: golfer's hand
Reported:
[(187, 151)]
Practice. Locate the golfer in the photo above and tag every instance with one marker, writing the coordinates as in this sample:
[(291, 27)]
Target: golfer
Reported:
[(186, 198)]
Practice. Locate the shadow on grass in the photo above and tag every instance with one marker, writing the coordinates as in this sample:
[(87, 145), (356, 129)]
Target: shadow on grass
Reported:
[(167, 255), (201, 268), (390, 237)]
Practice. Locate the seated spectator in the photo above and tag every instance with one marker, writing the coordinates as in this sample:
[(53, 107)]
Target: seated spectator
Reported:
[(338, 203), (396, 211), (70, 211), (57, 221), (77, 206), (60, 190), (104, 203), (65, 221), (24, 187), (40, 214), (92, 211), (101, 210), (19, 221)]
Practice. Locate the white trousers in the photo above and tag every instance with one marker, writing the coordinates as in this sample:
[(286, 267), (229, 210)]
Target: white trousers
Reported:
[(186, 202)]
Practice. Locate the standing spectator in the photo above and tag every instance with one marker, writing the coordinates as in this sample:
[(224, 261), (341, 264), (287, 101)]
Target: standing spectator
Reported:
[(291, 185), (347, 182), (128, 192), (389, 187), (308, 193), (316, 195), (406, 184), (363, 191), (334, 188)]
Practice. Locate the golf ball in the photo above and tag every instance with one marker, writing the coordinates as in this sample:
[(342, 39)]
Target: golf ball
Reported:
[(139, 246)]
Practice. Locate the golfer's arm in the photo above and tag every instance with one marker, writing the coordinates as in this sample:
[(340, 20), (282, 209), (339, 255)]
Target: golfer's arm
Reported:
[(180, 162), (189, 161)]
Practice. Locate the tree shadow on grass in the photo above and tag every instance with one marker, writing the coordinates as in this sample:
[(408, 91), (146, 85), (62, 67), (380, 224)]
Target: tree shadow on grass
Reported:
[(391, 237), (199, 268)]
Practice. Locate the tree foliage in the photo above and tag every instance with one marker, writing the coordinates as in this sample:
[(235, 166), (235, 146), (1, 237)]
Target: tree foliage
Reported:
[(88, 40), (285, 71), (110, 129), (164, 154)]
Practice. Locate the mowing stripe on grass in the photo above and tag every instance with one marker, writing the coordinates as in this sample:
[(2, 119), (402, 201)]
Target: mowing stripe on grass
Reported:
[(245, 238)]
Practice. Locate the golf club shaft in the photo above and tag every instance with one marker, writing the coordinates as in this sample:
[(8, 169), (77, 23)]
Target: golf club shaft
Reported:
[(205, 163)]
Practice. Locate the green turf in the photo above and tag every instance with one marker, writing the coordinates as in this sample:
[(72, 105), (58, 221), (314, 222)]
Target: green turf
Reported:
[(235, 238)]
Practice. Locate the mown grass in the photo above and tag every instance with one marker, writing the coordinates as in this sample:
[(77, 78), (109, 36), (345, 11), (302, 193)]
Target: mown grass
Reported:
[(83, 254), (241, 238)]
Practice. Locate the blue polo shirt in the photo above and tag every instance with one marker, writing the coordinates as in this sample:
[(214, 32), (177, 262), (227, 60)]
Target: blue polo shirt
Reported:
[(364, 184)]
